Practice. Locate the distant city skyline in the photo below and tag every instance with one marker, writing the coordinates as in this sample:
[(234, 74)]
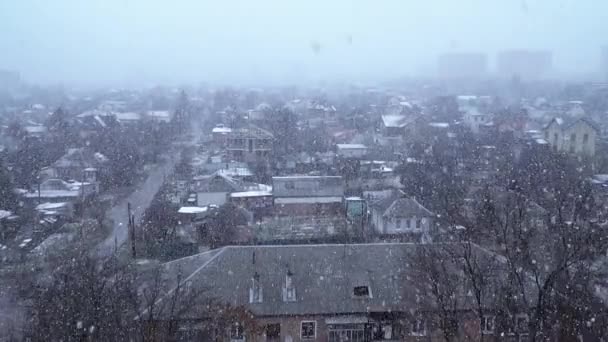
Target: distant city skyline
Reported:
[(273, 42)]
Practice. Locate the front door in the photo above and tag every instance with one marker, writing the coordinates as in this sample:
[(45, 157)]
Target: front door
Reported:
[(273, 332)]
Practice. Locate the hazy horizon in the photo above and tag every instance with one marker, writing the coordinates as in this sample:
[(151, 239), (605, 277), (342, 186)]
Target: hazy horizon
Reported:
[(269, 42)]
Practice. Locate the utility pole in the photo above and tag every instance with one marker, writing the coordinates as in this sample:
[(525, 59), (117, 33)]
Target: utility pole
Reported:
[(38, 181), (131, 228)]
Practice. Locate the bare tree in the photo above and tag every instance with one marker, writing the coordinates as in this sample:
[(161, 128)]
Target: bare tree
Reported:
[(480, 270), (542, 260), (440, 287), (91, 297)]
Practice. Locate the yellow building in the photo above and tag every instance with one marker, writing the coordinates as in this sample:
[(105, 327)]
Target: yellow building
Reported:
[(576, 136)]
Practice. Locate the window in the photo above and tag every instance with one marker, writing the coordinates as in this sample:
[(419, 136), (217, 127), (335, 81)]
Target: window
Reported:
[(237, 332), (555, 138), (387, 331), (398, 223), (308, 330), (255, 292), (419, 327), (362, 291), (585, 138), (547, 135), (572, 138), (346, 332), (289, 290), (407, 224), (418, 223), (487, 324), (521, 323), (290, 294)]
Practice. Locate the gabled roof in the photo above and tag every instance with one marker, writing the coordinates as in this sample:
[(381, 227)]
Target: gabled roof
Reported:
[(382, 204), (324, 277), (407, 207), (208, 182), (399, 121), (80, 157), (567, 122)]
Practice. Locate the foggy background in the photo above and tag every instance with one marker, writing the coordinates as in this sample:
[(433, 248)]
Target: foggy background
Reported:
[(265, 41)]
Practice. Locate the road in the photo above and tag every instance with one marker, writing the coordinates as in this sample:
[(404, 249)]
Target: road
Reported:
[(140, 199)]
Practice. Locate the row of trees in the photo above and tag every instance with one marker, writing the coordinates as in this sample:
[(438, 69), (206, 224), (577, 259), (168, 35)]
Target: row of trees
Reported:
[(540, 236), (78, 297), (127, 147), (547, 272)]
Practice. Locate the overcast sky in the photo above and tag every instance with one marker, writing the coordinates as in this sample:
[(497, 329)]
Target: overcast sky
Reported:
[(259, 41)]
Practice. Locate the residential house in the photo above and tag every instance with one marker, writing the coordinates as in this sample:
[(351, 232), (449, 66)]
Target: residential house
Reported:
[(213, 189), (399, 128), (190, 214), (260, 112), (58, 210), (576, 136), (35, 131), (159, 116), (79, 164), (249, 144), (398, 105), (57, 191), (399, 215), (323, 293), (351, 150), (308, 195), (127, 118), (477, 121), (259, 202), (220, 134), (92, 122)]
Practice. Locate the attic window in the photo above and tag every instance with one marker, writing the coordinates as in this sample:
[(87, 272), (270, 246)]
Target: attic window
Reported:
[(362, 291), (289, 290), (255, 291)]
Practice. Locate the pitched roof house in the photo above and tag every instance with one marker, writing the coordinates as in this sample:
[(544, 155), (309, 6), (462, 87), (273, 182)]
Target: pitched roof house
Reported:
[(396, 214), (303, 195), (572, 135), (361, 292)]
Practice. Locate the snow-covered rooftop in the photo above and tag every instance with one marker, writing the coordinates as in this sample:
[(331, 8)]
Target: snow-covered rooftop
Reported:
[(221, 130), (439, 124), (50, 206), (351, 146), (192, 210), (4, 214), (127, 116), (307, 200), (393, 120), (250, 194)]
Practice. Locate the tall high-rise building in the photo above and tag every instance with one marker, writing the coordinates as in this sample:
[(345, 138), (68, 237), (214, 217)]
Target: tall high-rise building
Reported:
[(462, 65), (604, 63), (524, 64)]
